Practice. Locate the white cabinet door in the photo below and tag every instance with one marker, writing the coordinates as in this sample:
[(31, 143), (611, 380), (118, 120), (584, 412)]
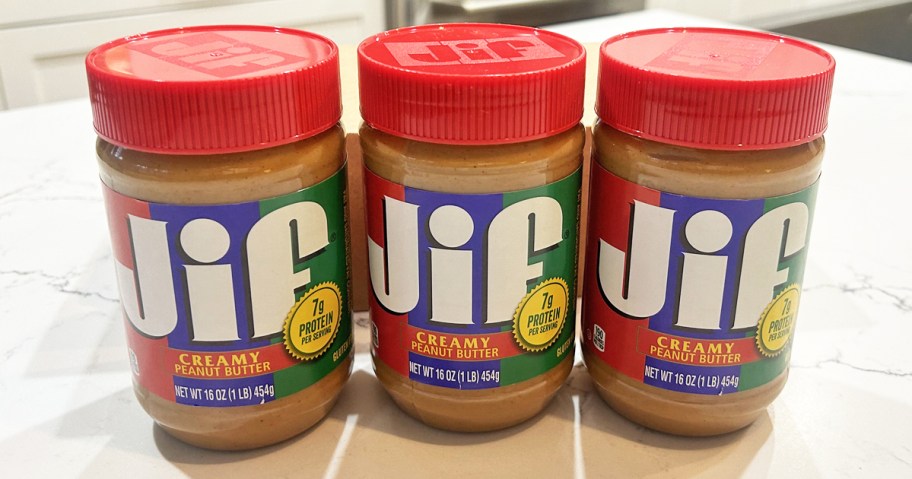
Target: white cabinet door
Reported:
[(45, 63)]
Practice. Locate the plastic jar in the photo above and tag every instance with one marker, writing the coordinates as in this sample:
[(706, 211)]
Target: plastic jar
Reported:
[(706, 159), (473, 145), (223, 168)]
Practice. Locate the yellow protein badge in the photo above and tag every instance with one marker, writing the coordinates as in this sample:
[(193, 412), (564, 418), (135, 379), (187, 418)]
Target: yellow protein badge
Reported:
[(541, 315), (313, 322), (778, 321)]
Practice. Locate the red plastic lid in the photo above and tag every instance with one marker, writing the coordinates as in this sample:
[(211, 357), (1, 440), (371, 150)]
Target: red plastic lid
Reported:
[(464, 83), (715, 88), (214, 89)]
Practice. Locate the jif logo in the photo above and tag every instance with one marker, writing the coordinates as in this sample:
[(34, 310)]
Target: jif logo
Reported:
[(471, 51), (216, 54), (732, 56)]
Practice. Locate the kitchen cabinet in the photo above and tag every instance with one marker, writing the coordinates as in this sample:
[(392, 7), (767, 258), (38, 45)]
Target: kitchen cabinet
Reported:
[(42, 49)]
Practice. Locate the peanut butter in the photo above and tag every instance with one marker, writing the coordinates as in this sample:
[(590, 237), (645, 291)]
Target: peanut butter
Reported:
[(706, 159), (472, 147), (221, 179), (709, 174), (473, 170), (223, 169)]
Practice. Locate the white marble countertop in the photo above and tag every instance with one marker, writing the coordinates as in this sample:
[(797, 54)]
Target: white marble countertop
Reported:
[(67, 408)]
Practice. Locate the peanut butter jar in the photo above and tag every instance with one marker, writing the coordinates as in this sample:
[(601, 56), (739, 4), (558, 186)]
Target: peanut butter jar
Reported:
[(473, 145), (706, 158), (223, 171)]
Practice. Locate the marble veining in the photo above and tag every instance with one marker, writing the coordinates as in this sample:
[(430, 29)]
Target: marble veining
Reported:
[(68, 409), (863, 284)]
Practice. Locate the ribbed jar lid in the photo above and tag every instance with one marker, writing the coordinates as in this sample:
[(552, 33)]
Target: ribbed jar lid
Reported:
[(469, 83), (715, 88), (214, 89)]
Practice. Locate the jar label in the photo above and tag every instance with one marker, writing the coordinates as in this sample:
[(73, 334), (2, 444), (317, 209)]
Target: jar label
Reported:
[(234, 304), (688, 294), (472, 291)]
